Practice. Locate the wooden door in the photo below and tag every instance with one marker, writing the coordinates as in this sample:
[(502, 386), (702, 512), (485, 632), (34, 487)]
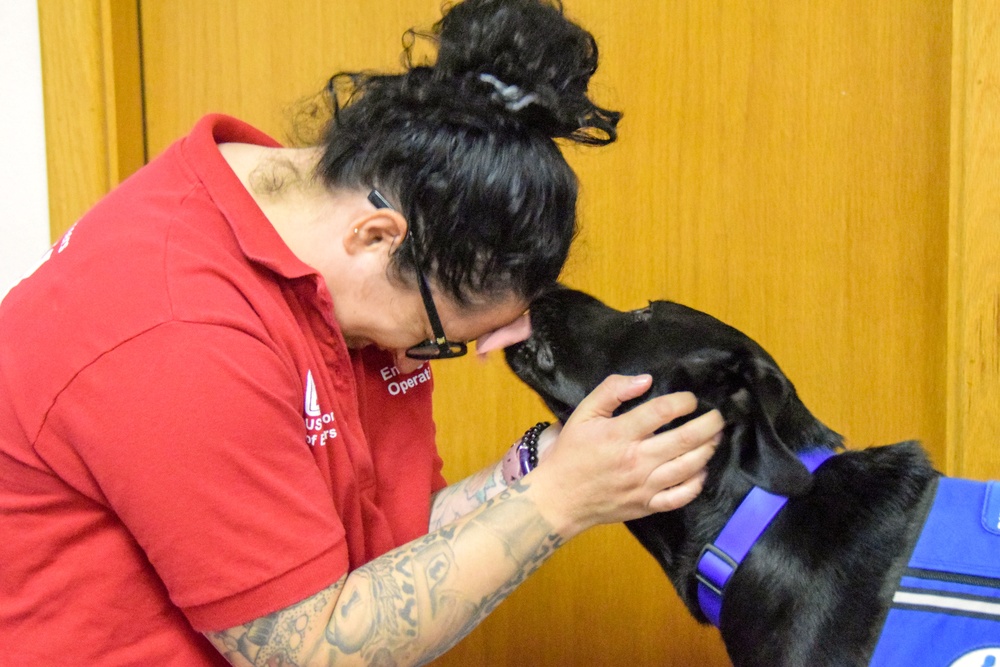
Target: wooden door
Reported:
[(818, 173)]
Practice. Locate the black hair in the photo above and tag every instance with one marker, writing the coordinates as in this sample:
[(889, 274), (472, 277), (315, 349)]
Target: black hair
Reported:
[(465, 147)]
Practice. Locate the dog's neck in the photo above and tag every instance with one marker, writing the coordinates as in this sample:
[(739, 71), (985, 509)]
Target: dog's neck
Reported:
[(720, 558), (854, 526)]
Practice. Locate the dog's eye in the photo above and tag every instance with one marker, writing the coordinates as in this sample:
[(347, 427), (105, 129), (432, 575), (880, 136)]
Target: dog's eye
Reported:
[(546, 361)]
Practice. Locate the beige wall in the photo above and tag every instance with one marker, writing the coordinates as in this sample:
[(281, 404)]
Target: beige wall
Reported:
[(820, 173), (93, 101), (24, 227)]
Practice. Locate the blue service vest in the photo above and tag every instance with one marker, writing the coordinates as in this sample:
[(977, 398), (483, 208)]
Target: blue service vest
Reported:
[(946, 609)]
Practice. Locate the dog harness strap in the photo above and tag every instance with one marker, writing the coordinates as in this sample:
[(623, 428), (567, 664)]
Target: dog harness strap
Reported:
[(719, 560)]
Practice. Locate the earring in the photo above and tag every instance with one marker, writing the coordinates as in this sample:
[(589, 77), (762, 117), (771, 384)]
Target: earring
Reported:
[(355, 230)]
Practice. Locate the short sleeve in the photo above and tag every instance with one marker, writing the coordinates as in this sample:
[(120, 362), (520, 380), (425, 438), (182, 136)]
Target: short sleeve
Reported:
[(192, 435)]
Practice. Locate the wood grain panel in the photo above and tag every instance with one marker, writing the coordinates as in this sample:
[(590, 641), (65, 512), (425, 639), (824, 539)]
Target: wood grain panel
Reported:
[(792, 157), (974, 294), (73, 76), (126, 141), (93, 102), (259, 60)]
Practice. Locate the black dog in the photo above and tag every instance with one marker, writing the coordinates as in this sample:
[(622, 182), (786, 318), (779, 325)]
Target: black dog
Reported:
[(818, 585)]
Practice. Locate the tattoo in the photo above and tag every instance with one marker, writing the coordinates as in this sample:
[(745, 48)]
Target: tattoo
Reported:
[(527, 546), (459, 499), (412, 604), (275, 640)]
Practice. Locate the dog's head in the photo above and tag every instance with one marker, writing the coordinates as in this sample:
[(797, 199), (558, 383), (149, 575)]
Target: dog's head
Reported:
[(577, 341)]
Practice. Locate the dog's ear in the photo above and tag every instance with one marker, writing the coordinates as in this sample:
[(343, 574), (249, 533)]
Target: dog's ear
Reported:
[(756, 448)]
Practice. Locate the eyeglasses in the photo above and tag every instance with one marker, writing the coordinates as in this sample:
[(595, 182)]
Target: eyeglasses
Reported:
[(438, 347)]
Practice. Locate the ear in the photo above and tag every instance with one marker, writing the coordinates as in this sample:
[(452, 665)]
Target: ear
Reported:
[(756, 449), (381, 230)]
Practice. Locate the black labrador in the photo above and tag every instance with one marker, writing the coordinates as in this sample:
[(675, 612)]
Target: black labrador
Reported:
[(817, 586)]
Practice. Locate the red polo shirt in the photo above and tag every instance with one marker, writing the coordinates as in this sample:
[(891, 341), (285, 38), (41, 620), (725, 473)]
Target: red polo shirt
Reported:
[(186, 443)]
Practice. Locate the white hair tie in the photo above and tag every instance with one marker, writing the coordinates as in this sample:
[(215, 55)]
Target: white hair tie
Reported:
[(511, 96)]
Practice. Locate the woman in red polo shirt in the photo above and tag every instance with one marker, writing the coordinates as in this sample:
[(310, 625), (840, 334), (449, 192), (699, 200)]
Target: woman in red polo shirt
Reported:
[(216, 436)]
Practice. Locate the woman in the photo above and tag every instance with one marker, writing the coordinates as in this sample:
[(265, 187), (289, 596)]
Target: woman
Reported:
[(217, 436)]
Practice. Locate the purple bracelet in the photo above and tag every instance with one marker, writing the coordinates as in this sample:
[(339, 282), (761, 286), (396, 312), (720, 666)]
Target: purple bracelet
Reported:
[(523, 456)]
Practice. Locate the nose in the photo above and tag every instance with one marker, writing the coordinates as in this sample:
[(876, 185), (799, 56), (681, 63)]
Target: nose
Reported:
[(405, 364)]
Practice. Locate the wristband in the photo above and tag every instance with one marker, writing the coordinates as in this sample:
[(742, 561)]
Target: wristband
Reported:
[(523, 455)]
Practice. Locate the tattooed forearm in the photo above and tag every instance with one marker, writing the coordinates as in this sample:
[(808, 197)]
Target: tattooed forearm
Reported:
[(412, 604), (276, 639), (455, 577), (525, 549), (463, 497)]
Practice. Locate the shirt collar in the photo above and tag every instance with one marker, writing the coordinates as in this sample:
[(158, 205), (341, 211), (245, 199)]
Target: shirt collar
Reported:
[(255, 234)]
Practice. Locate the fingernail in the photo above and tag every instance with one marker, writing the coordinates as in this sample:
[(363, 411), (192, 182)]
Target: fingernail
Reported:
[(641, 379)]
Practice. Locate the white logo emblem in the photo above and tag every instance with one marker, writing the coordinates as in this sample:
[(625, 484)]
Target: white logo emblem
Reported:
[(984, 657), (320, 427), (312, 397), (44, 258)]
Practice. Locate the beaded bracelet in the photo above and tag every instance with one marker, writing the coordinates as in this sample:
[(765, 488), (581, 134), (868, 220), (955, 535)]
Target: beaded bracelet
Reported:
[(523, 455)]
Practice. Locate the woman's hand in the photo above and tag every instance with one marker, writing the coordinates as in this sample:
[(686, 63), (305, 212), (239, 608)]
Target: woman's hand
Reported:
[(605, 469)]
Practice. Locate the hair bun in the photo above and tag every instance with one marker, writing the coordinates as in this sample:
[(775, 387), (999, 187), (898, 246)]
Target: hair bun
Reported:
[(528, 58)]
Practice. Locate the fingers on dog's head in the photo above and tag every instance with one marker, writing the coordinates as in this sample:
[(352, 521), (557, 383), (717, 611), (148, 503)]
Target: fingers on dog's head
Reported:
[(652, 415), (622, 388)]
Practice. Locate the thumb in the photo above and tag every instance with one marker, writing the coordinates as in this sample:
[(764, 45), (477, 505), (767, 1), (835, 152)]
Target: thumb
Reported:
[(612, 392)]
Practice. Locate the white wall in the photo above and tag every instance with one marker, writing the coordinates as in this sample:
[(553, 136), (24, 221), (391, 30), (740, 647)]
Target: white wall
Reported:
[(24, 208)]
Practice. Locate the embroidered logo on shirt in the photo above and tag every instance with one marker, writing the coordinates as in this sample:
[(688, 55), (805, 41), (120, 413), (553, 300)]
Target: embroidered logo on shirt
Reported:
[(312, 400), (46, 257), (403, 385), (65, 238), (319, 425)]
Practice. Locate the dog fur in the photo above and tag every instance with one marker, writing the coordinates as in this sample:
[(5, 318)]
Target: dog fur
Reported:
[(817, 586)]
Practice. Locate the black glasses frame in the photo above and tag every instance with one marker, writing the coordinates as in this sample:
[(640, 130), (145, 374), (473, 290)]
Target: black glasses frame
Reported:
[(438, 347)]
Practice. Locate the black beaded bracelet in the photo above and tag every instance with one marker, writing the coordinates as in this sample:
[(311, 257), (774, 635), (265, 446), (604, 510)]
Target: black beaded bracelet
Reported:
[(527, 451), (523, 454)]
